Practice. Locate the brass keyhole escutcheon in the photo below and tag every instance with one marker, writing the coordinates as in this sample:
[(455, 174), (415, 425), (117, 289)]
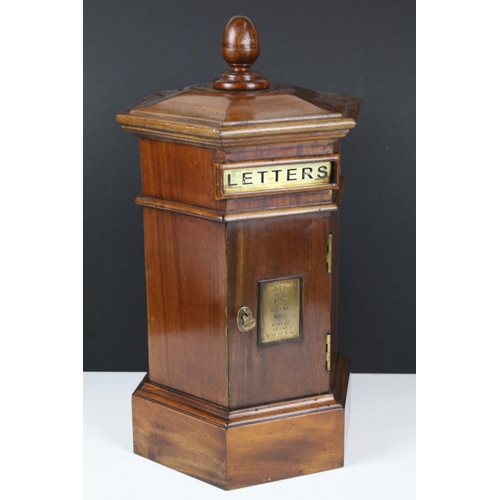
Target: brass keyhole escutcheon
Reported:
[(245, 320)]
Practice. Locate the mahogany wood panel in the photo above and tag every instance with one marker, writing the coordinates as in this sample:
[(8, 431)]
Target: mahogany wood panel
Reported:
[(179, 441), (265, 151), (179, 173), (335, 282), (281, 116), (284, 448), (180, 208), (270, 249), (237, 448), (278, 201), (186, 297), (221, 416), (341, 370), (247, 108), (206, 213)]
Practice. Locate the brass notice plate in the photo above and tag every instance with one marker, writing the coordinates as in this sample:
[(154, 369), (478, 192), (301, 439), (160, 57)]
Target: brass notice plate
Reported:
[(279, 310), (275, 176)]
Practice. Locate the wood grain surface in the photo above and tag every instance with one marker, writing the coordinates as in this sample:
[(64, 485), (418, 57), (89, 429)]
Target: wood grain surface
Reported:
[(285, 448), (220, 403), (237, 448), (276, 248), (186, 298)]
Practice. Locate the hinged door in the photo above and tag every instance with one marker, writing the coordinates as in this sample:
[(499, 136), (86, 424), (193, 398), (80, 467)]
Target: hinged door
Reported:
[(279, 307)]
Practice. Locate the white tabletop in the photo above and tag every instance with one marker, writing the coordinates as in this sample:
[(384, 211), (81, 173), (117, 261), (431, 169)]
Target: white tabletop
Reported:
[(379, 455)]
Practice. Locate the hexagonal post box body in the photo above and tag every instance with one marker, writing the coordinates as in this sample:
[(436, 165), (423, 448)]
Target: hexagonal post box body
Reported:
[(240, 194)]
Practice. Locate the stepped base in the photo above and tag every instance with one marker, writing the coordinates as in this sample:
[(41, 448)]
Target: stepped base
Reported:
[(236, 448)]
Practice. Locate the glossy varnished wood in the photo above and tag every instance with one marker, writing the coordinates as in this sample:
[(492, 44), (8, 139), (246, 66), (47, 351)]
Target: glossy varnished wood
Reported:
[(183, 177), (307, 199), (236, 448), (265, 152), (227, 418), (240, 48), (285, 448), (280, 212), (258, 212), (280, 116), (186, 297), (180, 441), (217, 404), (275, 248), (334, 293), (181, 208), (179, 173)]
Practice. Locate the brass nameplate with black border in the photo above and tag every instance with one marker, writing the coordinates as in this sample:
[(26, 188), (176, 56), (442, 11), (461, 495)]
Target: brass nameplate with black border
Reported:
[(280, 310), (254, 177)]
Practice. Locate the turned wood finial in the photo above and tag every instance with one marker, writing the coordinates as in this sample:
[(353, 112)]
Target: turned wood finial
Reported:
[(240, 48)]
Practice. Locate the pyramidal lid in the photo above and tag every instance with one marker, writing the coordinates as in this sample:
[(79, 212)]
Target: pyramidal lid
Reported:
[(241, 108)]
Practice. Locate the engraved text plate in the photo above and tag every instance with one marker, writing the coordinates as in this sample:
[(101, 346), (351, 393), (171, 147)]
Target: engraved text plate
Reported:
[(279, 310), (271, 177)]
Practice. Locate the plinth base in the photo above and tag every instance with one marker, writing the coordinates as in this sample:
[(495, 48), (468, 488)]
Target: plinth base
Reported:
[(233, 449)]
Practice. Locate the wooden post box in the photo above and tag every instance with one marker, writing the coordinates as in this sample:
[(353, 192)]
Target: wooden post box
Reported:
[(241, 189)]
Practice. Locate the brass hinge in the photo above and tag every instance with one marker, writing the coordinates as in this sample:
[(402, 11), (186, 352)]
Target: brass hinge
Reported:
[(329, 240), (328, 351)]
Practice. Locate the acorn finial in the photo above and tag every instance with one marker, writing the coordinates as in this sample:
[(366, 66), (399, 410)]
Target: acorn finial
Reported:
[(240, 48)]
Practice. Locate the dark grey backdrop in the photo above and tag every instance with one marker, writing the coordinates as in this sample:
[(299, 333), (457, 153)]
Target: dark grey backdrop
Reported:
[(364, 48)]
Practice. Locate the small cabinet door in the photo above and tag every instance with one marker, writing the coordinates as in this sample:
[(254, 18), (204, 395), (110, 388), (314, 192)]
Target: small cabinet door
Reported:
[(277, 269)]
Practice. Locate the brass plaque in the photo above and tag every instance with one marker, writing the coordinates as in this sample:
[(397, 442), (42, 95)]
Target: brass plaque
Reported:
[(275, 176), (279, 310)]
